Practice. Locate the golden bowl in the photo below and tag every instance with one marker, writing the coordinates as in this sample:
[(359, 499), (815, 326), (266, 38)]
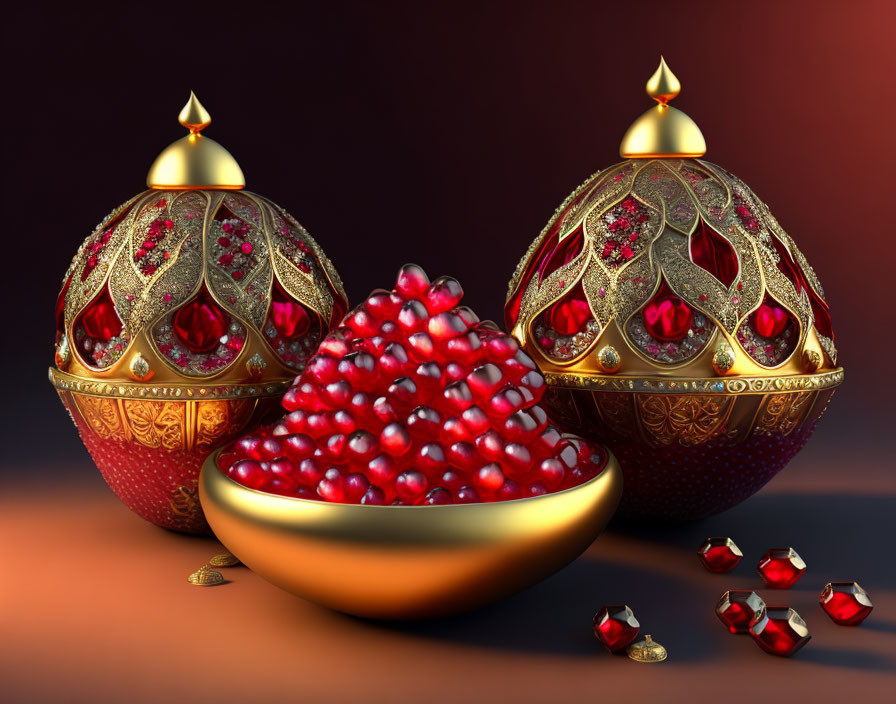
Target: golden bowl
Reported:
[(404, 562)]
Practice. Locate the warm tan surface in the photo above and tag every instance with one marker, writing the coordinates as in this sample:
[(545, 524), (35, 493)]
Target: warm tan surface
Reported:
[(95, 607)]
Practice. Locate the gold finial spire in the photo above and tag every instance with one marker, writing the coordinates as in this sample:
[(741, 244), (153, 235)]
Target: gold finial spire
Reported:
[(194, 116), (195, 161), (663, 131), (662, 86)]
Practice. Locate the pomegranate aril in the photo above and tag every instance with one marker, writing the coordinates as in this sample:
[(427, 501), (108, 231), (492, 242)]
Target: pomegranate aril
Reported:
[(395, 439), (411, 485), (484, 380), (331, 487), (356, 485), (249, 473), (374, 496), (445, 293), (489, 478), (415, 401), (412, 281), (467, 495), (438, 496)]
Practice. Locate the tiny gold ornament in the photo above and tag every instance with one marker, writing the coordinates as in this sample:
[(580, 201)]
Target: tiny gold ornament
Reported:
[(255, 366), (139, 368), (205, 576), (63, 352), (225, 559), (609, 360), (723, 359), (812, 360), (647, 650)]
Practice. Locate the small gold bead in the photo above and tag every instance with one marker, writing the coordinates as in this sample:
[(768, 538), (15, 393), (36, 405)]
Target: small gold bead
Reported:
[(205, 576), (609, 360), (723, 359), (811, 361)]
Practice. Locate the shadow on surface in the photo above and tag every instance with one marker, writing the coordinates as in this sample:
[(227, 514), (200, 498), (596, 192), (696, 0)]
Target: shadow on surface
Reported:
[(555, 615), (840, 537)]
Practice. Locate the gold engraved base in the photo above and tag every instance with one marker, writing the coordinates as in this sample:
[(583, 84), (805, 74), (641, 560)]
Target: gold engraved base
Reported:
[(688, 449), (150, 450)]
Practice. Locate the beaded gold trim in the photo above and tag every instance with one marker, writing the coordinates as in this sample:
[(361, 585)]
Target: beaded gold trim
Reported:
[(667, 385), (183, 392)]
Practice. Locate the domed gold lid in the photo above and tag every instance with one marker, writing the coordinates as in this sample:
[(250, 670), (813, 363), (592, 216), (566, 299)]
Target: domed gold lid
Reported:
[(663, 131), (195, 161)]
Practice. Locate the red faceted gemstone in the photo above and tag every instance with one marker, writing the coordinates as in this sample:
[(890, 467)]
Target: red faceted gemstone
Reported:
[(781, 567), (200, 324), (780, 631), (845, 602), (289, 317), (719, 554), (616, 627), (666, 316), (570, 314), (737, 609), (770, 320), (100, 320)]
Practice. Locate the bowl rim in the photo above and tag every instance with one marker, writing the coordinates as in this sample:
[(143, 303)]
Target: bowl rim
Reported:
[(211, 461)]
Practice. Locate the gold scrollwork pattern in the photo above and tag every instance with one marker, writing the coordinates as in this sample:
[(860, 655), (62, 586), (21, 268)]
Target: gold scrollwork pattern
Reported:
[(685, 420), (157, 423), (781, 414)]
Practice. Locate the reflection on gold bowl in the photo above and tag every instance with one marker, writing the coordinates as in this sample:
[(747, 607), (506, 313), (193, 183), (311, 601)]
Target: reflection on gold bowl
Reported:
[(402, 562)]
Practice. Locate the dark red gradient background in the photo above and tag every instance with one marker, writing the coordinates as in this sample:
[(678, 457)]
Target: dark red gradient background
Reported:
[(446, 134)]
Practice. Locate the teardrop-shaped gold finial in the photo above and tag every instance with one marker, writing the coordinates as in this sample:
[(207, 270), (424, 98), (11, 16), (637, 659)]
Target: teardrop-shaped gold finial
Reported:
[(663, 131), (195, 161), (663, 85), (194, 116)]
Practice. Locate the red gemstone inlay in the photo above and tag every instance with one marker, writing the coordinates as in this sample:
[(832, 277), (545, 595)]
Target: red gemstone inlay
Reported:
[(719, 554), (200, 324), (780, 631), (846, 603), (714, 253), (100, 320), (770, 320), (569, 315), (737, 609), (562, 253), (616, 627), (781, 567), (666, 316), (289, 317)]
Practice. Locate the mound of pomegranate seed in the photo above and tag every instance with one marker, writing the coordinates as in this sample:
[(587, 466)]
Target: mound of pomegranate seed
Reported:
[(413, 400)]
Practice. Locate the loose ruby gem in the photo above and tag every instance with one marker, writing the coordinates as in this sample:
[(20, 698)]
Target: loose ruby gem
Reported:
[(200, 324), (719, 554), (780, 631), (845, 602), (781, 567), (100, 320), (737, 609), (770, 320), (616, 627), (666, 316)]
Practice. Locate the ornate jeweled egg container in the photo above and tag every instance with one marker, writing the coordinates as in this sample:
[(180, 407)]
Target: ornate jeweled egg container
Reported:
[(182, 320), (676, 322)]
